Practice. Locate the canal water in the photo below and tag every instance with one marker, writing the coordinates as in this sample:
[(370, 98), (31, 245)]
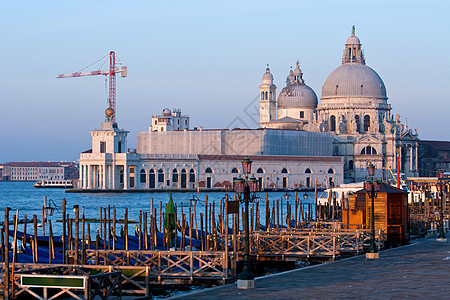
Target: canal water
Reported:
[(29, 200)]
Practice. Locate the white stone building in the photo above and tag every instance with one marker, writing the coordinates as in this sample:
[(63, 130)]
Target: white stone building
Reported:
[(169, 121), (354, 109), (300, 140), (34, 171), (207, 159)]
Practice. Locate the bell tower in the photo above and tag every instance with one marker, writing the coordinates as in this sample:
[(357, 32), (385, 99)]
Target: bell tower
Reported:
[(267, 98)]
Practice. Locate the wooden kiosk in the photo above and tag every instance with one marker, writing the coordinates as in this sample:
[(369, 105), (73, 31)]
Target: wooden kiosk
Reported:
[(391, 212)]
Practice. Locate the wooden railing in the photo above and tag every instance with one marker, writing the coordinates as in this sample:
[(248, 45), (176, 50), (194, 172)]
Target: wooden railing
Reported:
[(103, 284), (177, 264), (305, 243)]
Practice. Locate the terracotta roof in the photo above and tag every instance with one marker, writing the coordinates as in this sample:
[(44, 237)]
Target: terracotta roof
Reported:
[(385, 188), (281, 158)]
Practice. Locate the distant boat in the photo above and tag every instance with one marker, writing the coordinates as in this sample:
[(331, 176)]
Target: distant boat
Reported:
[(339, 193), (62, 184)]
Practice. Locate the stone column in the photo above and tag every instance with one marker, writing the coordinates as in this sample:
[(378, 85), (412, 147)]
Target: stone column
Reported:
[(104, 176), (89, 174), (125, 176), (113, 177), (416, 157), (94, 176), (82, 177), (411, 158)]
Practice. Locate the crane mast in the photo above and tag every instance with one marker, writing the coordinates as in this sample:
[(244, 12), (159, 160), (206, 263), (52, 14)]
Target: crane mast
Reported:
[(113, 70)]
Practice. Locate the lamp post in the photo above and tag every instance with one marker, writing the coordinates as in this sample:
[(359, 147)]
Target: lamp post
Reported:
[(193, 201), (305, 196), (441, 189), (246, 188), (371, 185)]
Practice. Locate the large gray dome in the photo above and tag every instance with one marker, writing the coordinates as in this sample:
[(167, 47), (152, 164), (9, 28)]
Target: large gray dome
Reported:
[(354, 80), (297, 96)]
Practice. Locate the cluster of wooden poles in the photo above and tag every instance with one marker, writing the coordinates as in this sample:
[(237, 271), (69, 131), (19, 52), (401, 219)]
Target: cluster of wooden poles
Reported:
[(203, 230), (428, 206)]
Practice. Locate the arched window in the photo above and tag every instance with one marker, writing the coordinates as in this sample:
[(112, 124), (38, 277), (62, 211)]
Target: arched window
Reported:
[(266, 96), (358, 123), (234, 170), (350, 164), (260, 170), (330, 171), (208, 170), (143, 176), (332, 123), (368, 150), (151, 179), (174, 175), (366, 122), (183, 178), (191, 175), (262, 95), (308, 171), (284, 171), (160, 175)]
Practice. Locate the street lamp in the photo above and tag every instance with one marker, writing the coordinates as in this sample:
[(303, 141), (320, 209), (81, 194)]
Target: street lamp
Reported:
[(441, 187), (50, 208), (371, 187), (193, 201), (245, 189)]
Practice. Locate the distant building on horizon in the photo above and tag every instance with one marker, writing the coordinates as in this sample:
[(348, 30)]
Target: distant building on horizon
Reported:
[(36, 171), (433, 155)]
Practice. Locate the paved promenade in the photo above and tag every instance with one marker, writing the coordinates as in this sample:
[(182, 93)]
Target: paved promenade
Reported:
[(417, 271)]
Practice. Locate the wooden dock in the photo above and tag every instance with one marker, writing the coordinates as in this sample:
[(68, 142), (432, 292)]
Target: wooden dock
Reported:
[(292, 231), (417, 271)]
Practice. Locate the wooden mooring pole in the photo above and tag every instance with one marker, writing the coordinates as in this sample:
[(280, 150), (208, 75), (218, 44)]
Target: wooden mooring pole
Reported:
[(6, 278)]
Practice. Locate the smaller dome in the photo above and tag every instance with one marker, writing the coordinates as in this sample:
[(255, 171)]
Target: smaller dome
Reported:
[(166, 112), (353, 40), (297, 96), (267, 75)]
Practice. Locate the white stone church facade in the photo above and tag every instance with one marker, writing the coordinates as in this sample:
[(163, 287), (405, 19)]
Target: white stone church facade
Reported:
[(298, 143), (354, 109)]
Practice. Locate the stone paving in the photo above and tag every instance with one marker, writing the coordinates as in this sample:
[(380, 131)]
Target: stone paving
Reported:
[(420, 271)]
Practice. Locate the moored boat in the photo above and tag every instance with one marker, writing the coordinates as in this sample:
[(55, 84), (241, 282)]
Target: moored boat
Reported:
[(65, 184)]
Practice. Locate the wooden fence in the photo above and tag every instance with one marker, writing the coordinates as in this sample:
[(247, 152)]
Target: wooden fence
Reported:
[(296, 244)]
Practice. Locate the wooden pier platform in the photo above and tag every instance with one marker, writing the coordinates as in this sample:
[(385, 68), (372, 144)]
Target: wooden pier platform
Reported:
[(416, 271)]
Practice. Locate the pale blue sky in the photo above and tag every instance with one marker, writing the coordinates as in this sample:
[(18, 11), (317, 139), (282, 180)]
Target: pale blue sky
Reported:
[(206, 58)]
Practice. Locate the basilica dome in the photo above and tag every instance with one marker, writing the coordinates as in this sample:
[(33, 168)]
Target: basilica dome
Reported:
[(297, 95), (353, 78)]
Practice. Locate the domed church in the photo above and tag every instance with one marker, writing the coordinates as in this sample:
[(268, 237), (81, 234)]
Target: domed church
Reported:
[(354, 108)]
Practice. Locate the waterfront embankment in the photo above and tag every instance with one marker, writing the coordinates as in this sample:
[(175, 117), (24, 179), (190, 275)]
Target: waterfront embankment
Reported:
[(416, 271)]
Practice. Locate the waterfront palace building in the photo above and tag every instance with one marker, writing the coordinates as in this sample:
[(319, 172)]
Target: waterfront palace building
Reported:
[(299, 142)]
